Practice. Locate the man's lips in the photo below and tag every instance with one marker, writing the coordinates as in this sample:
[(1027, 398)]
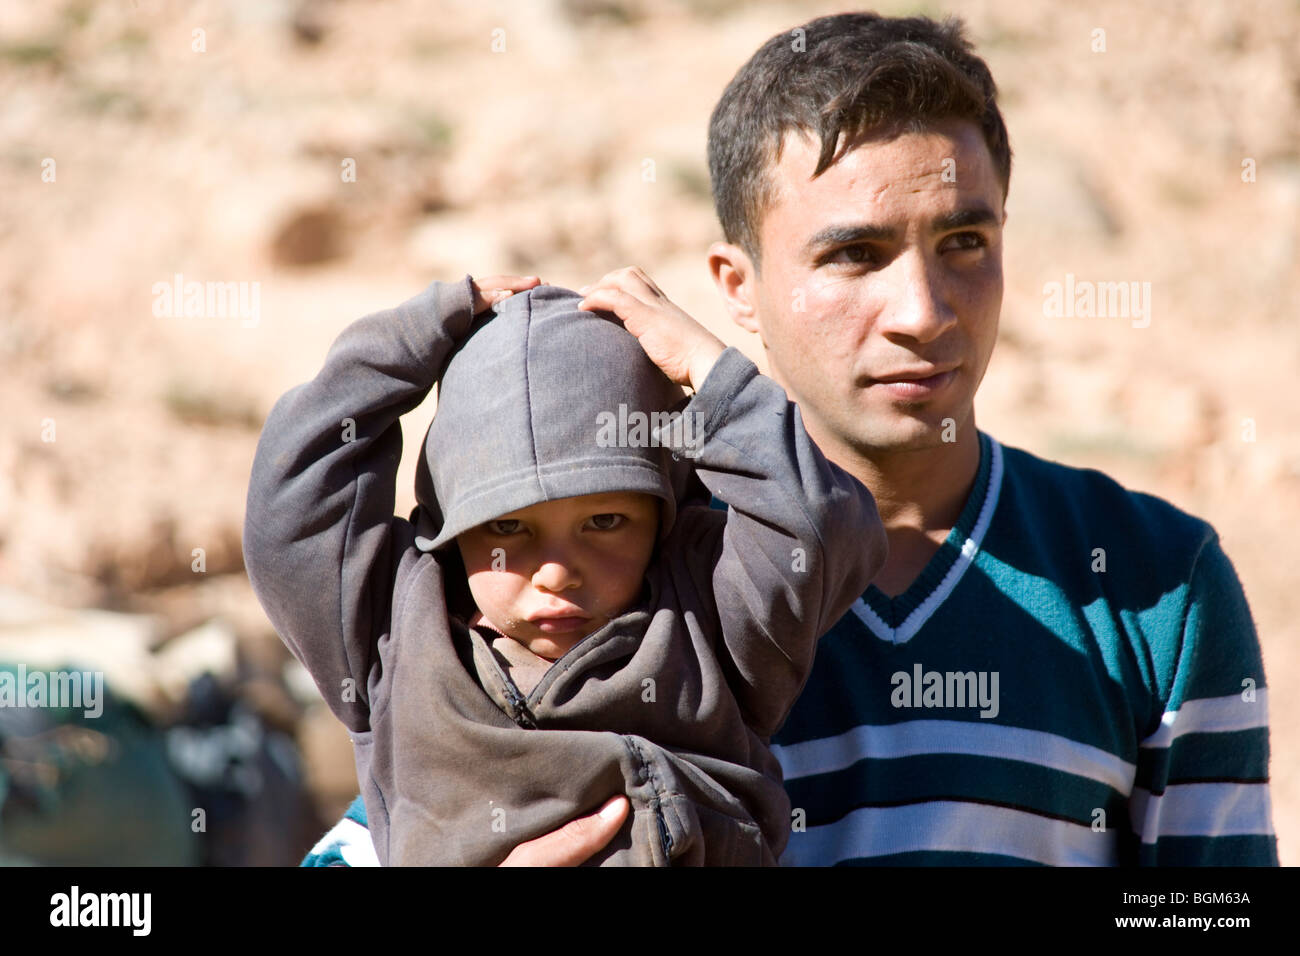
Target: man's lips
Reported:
[(914, 383), (920, 374)]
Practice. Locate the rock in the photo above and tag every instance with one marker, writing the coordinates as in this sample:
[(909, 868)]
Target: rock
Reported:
[(309, 236)]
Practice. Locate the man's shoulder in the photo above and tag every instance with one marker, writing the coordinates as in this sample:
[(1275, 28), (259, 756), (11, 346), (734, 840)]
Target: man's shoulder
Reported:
[(1068, 498), (1146, 573)]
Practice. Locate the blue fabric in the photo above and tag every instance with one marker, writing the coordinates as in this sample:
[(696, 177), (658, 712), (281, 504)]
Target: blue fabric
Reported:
[(329, 850)]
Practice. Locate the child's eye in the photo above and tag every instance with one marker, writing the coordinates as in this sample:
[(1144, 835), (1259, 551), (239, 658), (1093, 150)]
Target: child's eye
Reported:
[(503, 526), (606, 522)]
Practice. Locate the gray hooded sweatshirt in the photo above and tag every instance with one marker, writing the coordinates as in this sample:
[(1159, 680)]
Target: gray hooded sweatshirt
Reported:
[(672, 702)]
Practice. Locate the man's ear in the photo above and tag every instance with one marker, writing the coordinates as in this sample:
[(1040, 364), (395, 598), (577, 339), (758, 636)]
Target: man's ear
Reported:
[(734, 274)]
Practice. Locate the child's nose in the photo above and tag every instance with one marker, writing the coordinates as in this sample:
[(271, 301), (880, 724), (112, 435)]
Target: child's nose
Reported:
[(557, 575)]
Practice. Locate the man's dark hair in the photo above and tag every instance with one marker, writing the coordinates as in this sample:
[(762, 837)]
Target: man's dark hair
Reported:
[(856, 73)]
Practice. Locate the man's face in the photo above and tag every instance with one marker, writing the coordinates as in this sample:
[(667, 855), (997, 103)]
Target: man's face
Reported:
[(550, 574), (888, 265)]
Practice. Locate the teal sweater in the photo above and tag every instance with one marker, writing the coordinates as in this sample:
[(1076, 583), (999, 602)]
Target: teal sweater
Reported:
[(1074, 679)]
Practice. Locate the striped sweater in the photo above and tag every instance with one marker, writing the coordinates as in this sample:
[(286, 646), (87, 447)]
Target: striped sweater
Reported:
[(1074, 679)]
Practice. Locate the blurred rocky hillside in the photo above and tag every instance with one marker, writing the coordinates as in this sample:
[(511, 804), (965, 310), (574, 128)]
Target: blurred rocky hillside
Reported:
[(143, 140)]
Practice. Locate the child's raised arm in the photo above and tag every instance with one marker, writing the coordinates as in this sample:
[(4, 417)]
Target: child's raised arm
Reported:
[(802, 539), (319, 529)]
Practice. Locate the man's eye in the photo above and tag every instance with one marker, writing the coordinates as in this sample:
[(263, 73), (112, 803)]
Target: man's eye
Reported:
[(504, 526), (606, 522), (968, 240), (851, 255)]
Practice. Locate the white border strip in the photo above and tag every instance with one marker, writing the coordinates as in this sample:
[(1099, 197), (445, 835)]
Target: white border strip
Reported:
[(952, 827), (1202, 810), (1208, 715), (922, 612), (920, 737), (352, 841)]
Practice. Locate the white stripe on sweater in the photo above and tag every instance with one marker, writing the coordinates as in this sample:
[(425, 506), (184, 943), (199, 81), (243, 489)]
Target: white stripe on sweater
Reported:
[(351, 840), (1211, 715), (953, 827), (916, 737), (1202, 810)]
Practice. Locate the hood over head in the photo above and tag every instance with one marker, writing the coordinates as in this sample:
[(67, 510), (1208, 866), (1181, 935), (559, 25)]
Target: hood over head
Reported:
[(520, 412)]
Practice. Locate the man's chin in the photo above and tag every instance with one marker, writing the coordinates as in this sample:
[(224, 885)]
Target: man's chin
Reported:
[(902, 430)]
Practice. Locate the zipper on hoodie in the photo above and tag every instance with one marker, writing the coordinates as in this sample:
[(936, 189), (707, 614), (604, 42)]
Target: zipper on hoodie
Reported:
[(519, 711), (655, 803), (516, 703)]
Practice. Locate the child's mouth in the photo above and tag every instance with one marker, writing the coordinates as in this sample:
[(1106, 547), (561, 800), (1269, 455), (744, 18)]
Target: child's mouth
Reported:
[(559, 624)]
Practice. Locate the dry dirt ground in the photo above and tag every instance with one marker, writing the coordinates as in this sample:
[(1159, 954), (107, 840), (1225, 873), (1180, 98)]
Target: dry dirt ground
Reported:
[(134, 149)]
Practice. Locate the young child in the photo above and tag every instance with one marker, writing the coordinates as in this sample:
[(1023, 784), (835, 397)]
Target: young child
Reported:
[(563, 617)]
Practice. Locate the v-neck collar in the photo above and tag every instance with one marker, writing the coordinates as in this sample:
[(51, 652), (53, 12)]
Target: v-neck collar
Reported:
[(898, 619)]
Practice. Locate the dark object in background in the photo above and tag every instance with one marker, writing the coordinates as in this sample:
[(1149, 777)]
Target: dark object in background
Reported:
[(79, 791), (246, 777), (115, 790)]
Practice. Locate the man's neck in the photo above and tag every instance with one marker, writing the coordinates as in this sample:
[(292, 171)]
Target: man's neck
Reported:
[(919, 495)]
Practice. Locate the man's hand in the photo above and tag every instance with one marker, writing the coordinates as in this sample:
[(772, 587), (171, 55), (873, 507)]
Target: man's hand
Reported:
[(490, 290), (575, 842), (680, 346)]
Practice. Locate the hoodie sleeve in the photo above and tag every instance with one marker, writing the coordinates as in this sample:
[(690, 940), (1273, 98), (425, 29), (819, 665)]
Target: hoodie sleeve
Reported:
[(319, 524), (801, 541)]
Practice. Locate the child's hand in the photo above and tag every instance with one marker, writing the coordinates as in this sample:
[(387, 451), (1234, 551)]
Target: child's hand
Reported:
[(680, 346), (490, 290)]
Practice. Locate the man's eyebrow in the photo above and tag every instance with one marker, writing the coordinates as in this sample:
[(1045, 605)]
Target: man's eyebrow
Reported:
[(977, 214), (839, 235), (974, 215)]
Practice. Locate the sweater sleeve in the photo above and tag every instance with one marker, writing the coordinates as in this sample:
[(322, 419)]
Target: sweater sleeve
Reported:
[(319, 524), (347, 843), (800, 543), (1201, 796)]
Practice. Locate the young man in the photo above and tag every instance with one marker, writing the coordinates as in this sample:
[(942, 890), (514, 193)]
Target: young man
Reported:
[(1049, 669)]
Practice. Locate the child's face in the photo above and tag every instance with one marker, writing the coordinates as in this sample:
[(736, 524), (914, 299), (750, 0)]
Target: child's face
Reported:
[(550, 574)]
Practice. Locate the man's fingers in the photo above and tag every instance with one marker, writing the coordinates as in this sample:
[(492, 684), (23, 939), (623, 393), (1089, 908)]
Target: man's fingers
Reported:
[(490, 290), (630, 279), (612, 294), (645, 279), (515, 283), (634, 281), (634, 312), (618, 301), (575, 842)]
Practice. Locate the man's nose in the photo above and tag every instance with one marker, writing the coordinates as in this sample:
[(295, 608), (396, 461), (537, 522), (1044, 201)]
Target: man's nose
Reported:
[(918, 306)]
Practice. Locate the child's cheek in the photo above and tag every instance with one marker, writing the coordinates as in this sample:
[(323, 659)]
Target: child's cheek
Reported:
[(624, 564), (485, 555)]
